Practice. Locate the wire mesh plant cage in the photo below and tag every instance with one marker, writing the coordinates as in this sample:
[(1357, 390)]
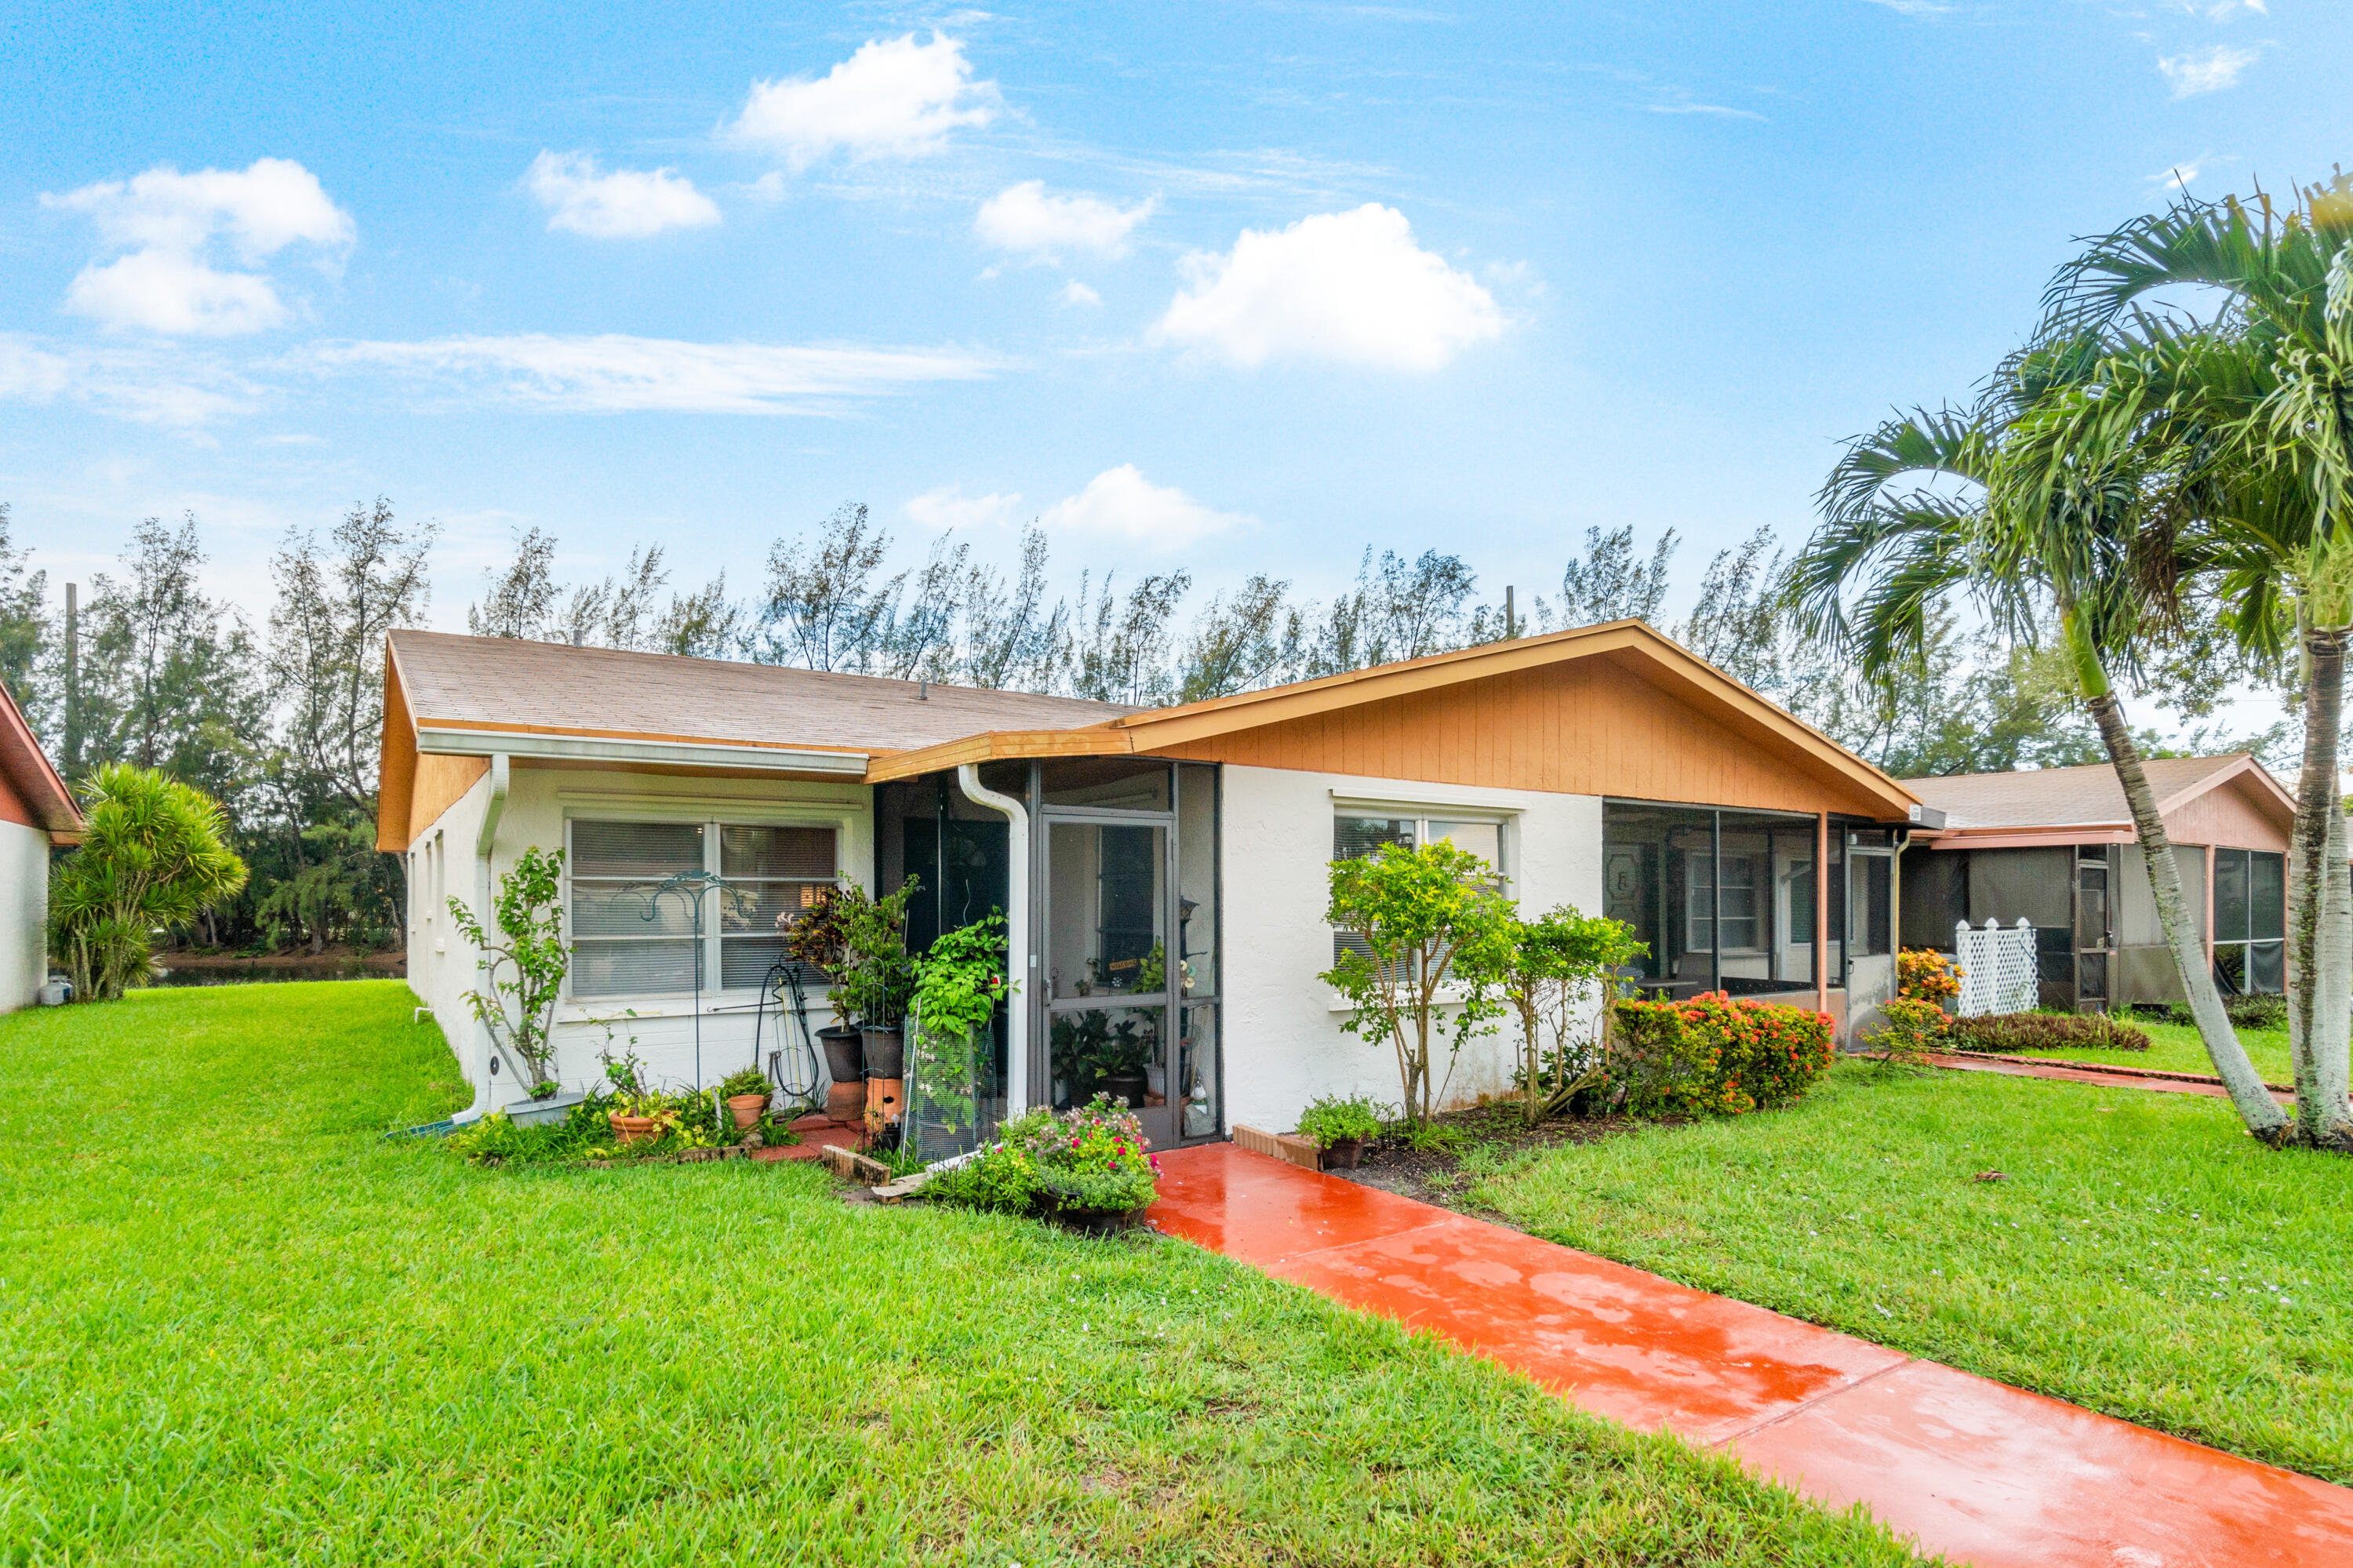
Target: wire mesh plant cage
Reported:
[(954, 1098)]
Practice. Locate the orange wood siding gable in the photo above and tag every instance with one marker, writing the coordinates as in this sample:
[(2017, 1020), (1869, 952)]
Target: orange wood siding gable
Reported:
[(1600, 726)]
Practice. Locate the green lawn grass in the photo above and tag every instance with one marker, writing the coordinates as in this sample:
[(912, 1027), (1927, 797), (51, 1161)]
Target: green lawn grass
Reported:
[(237, 1325), (2176, 1048), (2144, 1257)]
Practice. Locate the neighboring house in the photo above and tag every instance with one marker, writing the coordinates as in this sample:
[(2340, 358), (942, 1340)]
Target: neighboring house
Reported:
[(36, 811), (1164, 871), (2056, 848)]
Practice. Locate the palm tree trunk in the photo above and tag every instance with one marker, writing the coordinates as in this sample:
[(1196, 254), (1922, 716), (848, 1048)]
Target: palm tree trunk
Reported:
[(2240, 1080), (2320, 906)]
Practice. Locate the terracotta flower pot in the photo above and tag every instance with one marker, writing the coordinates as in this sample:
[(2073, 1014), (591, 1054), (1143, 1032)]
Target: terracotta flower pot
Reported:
[(748, 1110), (846, 1101), (1342, 1154), (633, 1129)]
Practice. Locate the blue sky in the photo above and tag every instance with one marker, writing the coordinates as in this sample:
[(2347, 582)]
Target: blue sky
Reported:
[(1235, 287)]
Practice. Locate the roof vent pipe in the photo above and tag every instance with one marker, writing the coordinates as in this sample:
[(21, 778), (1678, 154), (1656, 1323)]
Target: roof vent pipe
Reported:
[(1018, 959)]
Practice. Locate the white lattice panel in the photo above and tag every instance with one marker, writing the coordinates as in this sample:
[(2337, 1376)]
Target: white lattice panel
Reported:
[(1998, 967)]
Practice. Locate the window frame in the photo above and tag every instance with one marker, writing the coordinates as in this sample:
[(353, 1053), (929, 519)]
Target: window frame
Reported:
[(709, 825), (1420, 814)]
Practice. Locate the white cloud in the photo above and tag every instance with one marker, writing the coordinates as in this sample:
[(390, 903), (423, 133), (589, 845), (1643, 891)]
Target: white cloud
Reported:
[(627, 204), (172, 388), (2204, 70), (893, 99), (1121, 503), (2223, 10), (175, 227), (612, 374), (1719, 111), (949, 507), (1025, 218), (1346, 286), (1913, 7), (1077, 294)]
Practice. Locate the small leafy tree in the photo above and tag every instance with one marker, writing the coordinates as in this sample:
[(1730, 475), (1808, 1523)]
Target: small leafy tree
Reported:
[(1553, 963), (959, 985), (526, 968), (152, 857), (876, 972), (1431, 936)]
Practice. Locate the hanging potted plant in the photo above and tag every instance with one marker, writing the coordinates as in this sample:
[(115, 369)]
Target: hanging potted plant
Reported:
[(1340, 1125), (747, 1093)]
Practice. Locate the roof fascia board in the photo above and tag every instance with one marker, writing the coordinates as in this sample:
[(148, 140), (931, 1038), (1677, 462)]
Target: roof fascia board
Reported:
[(471, 742), (2058, 837), (996, 746)]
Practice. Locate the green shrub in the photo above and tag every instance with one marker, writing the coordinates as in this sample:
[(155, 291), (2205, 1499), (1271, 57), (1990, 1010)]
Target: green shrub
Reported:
[(1334, 1119), (1714, 1054), (2046, 1032), (1915, 1027)]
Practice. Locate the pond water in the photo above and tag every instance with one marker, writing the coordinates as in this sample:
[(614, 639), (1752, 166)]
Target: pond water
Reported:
[(260, 973)]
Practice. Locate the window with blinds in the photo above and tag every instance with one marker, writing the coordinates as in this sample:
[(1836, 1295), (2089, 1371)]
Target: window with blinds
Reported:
[(776, 874), (630, 938), (1357, 836)]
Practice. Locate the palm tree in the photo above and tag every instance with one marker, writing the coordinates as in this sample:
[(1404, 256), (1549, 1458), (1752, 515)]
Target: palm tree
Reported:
[(2250, 413), (152, 857), (2077, 543)]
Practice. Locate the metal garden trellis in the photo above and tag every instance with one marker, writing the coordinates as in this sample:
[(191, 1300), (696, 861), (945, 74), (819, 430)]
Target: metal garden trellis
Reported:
[(690, 885)]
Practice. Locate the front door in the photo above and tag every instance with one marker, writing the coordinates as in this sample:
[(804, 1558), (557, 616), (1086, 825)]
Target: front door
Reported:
[(1109, 905), (1871, 932)]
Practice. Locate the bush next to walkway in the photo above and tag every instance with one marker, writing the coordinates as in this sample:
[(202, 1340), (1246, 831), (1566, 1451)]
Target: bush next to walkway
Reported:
[(2045, 1032), (1716, 1054)]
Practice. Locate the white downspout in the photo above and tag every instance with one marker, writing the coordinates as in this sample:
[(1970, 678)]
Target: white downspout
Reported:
[(1018, 956), (496, 806)]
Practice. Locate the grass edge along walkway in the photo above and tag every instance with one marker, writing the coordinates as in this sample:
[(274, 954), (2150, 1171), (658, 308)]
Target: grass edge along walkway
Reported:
[(241, 1325)]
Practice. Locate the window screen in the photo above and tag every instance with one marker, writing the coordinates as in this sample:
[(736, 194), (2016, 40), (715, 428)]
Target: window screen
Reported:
[(626, 939), (776, 874)]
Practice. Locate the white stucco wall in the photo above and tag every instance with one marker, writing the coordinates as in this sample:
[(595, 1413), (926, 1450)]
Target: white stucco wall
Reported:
[(1283, 1042), (442, 964), (23, 914)]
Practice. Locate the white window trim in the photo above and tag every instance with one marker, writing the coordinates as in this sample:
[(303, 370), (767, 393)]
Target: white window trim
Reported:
[(753, 814)]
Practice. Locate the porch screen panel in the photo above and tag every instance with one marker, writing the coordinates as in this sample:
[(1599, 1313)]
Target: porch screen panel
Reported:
[(1197, 879), (2250, 921), (776, 874), (627, 940)]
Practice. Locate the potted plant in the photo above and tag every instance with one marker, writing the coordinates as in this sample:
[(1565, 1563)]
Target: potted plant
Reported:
[(1340, 1125), (1089, 1169), (959, 985), (747, 1093), (878, 975), (819, 935), (639, 1115)]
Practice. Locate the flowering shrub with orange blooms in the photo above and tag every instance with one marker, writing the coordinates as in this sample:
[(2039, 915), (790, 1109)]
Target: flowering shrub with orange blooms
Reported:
[(1914, 1027), (1924, 974), (1716, 1054)]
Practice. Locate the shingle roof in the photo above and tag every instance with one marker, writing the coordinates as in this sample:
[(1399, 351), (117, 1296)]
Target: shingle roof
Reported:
[(2058, 797), (506, 683)]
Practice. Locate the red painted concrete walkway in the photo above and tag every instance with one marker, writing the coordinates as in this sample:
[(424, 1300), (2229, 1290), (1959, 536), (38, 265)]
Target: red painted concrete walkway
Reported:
[(1978, 1471), (2071, 1073)]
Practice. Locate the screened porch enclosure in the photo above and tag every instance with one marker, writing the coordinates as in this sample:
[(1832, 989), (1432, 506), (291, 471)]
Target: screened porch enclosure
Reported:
[(1725, 900), (1123, 986)]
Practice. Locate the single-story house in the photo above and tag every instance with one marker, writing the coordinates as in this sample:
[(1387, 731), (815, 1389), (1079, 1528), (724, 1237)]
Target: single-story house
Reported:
[(36, 811), (2055, 847), (1164, 871)]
